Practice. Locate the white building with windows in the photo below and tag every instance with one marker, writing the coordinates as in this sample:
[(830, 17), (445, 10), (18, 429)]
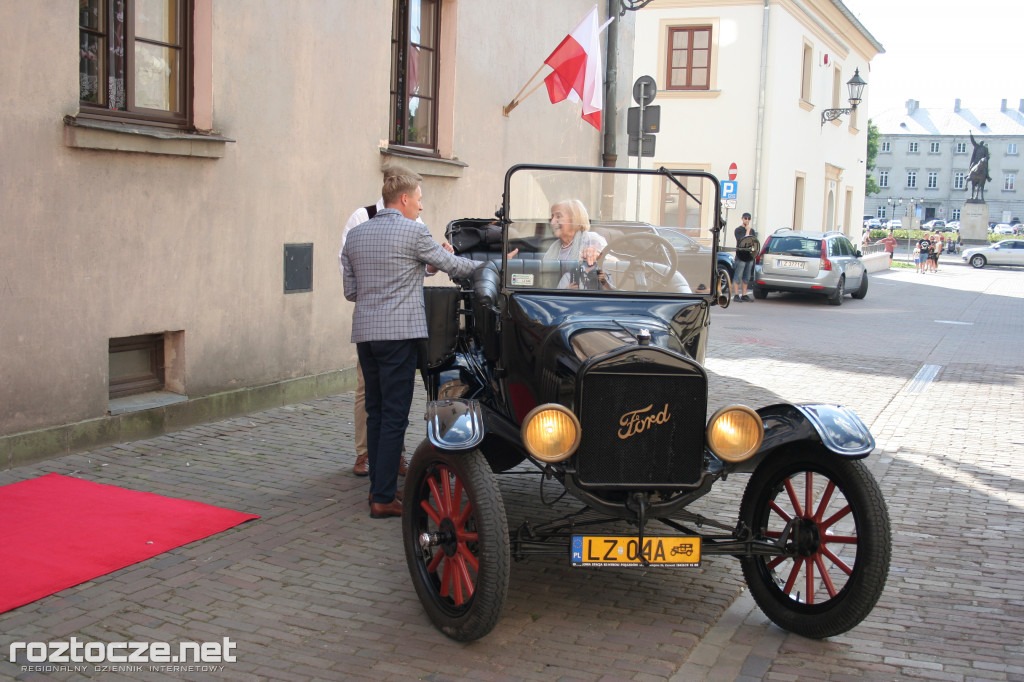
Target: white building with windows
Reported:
[(745, 82), (924, 158)]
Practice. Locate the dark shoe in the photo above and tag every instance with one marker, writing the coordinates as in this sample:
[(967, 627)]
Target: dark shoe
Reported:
[(362, 466), (369, 497), (382, 510), (736, 298), (746, 297), (403, 466)]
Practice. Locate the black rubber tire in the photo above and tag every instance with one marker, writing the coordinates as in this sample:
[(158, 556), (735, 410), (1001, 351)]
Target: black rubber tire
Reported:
[(863, 543), (978, 261), (836, 297), (862, 290), (463, 601), (760, 293)]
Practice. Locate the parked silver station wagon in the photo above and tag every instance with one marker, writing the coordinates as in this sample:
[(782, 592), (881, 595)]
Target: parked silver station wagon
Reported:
[(825, 263)]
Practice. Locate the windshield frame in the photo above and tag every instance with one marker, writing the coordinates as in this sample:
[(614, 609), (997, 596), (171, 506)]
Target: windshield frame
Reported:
[(705, 290)]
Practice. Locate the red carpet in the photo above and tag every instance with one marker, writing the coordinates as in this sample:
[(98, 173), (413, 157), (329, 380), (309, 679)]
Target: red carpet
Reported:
[(56, 532)]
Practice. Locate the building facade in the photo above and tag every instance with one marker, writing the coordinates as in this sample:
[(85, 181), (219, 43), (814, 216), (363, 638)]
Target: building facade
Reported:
[(176, 175), (923, 162), (742, 86)]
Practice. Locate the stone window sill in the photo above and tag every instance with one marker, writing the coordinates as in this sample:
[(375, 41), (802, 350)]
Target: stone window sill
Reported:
[(85, 133)]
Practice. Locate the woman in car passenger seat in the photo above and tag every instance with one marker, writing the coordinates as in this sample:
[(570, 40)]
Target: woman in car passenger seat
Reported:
[(571, 224)]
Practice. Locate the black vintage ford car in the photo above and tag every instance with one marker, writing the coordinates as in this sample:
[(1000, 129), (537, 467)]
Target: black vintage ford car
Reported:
[(578, 349)]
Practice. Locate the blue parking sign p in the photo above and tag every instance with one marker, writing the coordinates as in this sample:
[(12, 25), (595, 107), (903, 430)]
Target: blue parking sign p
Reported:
[(728, 189)]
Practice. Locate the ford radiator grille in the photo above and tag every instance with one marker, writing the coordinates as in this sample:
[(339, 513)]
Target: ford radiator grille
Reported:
[(641, 430)]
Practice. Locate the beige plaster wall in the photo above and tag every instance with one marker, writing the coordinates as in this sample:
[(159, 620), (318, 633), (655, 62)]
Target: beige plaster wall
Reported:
[(100, 244)]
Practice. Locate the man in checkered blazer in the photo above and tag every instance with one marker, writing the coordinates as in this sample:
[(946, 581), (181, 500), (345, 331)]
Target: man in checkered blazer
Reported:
[(383, 262)]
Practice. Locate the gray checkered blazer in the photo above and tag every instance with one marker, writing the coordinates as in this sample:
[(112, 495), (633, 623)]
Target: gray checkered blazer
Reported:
[(383, 273)]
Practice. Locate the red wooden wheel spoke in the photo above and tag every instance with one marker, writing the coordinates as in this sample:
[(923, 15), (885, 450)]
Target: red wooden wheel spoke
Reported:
[(434, 516), (793, 498), (446, 492), (809, 581), (436, 493), (828, 523), (452, 569), (464, 580), (467, 511), (457, 498), (793, 574), (842, 565), (464, 536), (435, 561), (826, 497), (808, 492), (780, 511), (473, 562), (842, 539), (825, 577), (446, 576), (776, 561)]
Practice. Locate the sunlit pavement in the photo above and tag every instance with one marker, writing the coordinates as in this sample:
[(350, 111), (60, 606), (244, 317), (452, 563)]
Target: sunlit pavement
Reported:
[(315, 589)]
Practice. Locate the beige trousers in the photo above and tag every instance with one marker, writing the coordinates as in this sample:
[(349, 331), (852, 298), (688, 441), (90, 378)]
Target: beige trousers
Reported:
[(359, 412)]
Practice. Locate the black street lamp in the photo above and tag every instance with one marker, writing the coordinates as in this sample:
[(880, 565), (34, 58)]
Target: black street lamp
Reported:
[(856, 86)]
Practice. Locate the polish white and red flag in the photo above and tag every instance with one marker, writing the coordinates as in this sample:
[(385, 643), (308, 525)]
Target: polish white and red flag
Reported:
[(577, 69)]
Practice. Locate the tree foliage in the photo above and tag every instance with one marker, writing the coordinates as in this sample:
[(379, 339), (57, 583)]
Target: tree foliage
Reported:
[(870, 184)]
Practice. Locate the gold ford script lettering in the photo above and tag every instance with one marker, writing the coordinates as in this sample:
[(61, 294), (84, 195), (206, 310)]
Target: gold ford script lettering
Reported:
[(638, 421)]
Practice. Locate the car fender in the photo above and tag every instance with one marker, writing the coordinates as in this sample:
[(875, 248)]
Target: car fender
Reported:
[(455, 424), (838, 429)]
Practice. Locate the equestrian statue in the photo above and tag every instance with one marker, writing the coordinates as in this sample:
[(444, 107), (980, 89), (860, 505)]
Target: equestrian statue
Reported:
[(978, 174)]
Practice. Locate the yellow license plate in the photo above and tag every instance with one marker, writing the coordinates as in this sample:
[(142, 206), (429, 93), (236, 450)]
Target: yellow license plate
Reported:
[(626, 550)]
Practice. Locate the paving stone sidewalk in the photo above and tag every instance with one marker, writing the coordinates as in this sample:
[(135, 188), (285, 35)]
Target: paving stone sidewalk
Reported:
[(315, 589)]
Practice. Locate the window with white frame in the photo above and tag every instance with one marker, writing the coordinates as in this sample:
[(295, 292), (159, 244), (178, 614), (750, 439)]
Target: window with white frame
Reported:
[(1008, 181), (886, 146), (933, 179), (934, 148), (1011, 148), (954, 214), (959, 180), (961, 147), (912, 147), (911, 179), (880, 213), (883, 178)]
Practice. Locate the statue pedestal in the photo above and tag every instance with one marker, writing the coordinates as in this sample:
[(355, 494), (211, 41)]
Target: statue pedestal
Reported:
[(974, 223)]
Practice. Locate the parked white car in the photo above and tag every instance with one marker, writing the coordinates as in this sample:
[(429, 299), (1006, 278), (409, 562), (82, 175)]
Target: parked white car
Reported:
[(1006, 252), (895, 224), (1002, 228)]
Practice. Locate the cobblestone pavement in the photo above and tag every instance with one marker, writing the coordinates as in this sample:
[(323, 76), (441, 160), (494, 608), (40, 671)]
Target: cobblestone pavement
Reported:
[(317, 590)]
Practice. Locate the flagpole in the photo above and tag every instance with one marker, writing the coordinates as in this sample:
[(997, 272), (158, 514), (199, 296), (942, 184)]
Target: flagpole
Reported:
[(515, 100)]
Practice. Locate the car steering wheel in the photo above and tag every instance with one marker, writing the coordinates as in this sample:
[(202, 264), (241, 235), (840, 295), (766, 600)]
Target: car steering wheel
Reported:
[(634, 249)]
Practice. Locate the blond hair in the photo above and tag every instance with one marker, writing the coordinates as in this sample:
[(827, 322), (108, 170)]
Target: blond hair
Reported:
[(397, 185), (577, 213)]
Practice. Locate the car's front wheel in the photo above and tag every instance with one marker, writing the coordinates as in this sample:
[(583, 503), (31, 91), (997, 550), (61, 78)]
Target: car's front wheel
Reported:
[(456, 540), (978, 261), (837, 541)]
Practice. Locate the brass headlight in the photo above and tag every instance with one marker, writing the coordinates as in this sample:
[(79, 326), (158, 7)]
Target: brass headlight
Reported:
[(551, 432), (735, 433)]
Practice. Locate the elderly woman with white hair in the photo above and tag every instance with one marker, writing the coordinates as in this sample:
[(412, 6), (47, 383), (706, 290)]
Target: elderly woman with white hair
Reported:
[(576, 242)]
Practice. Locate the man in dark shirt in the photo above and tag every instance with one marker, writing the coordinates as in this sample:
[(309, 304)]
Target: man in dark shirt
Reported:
[(746, 250)]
